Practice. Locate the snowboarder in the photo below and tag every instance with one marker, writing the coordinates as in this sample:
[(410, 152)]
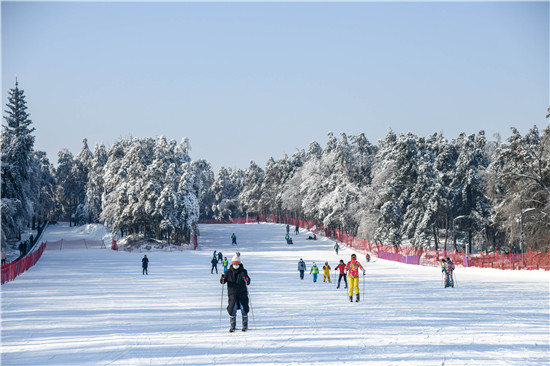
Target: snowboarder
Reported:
[(233, 239), (342, 268), (314, 237), (336, 247), (314, 270), (144, 265), (448, 268), (352, 268), (225, 263), (220, 257), (301, 268), (237, 281), (214, 262), (326, 272)]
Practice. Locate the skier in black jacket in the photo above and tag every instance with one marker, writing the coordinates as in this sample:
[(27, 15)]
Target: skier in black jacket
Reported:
[(144, 265), (237, 281)]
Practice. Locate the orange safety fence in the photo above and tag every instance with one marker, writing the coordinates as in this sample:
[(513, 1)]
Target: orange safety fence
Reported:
[(13, 269)]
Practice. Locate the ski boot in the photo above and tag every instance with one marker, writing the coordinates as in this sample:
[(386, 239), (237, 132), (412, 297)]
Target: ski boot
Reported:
[(357, 298), (233, 322), (351, 299), (245, 323)]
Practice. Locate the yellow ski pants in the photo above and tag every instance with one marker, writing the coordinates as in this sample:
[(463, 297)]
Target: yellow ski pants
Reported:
[(353, 283)]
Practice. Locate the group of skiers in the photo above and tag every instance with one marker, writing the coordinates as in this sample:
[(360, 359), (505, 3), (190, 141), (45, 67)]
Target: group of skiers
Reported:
[(351, 269), (237, 279), (218, 257)]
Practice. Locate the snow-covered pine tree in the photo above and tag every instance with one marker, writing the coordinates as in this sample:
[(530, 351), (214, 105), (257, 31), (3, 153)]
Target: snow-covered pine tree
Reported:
[(81, 168), (519, 174), (252, 189), (18, 192), (95, 185), (470, 204)]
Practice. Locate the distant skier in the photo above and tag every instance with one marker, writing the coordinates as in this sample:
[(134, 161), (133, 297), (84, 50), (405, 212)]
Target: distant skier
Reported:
[(315, 271), (448, 268), (220, 257), (342, 268), (288, 239), (237, 281), (352, 268), (215, 254), (297, 230), (287, 229), (225, 262), (336, 247), (301, 268), (367, 257), (214, 262), (233, 239), (144, 265), (326, 272)]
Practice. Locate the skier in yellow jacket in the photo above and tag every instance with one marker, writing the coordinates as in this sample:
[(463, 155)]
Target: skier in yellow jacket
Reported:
[(352, 268), (326, 272)]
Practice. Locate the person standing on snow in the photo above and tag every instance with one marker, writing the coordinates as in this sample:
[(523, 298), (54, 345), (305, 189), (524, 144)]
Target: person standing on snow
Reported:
[(336, 247), (237, 281), (220, 257), (287, 229), (326, 272), (233, 239), (352, 268), (314, 270), (214, 262), (225, 263), (301, 268), (448, 268), (144, 265), (297, 230), (342, 268)]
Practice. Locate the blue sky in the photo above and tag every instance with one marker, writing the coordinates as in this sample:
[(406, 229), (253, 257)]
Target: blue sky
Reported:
[(246, 81)]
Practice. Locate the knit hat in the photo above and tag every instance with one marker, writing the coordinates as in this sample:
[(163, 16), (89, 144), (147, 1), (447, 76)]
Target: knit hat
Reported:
[(236, 259), (353, 256)]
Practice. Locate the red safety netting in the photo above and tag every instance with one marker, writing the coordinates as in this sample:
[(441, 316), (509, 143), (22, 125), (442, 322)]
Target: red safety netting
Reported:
[(14, 269), (411, 255)]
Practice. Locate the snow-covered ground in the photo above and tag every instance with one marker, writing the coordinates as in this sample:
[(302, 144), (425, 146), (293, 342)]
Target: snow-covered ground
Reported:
[(94, 307)]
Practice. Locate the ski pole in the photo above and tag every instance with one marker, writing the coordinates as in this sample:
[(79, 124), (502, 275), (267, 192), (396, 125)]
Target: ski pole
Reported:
[(250, 302), (363, 284), (221, 305)]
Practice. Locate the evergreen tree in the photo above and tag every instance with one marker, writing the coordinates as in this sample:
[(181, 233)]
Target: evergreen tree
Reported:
[(18, 163)]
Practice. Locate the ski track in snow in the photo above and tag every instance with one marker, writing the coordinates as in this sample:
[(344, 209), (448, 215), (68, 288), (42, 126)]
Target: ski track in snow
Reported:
[(94, 307)]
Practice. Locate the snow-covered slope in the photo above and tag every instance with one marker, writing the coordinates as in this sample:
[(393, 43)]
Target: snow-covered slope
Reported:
[(94, 307)]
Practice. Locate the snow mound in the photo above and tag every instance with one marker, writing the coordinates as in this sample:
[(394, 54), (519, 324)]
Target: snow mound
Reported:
[(136, 243), (94, 230)]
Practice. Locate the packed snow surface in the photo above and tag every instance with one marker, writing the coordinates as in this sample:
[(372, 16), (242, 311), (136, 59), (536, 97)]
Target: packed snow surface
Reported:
[(94, 307)]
